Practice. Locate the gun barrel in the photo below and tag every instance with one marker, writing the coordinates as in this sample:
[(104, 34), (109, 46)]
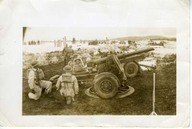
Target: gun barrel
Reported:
[(102, 60)]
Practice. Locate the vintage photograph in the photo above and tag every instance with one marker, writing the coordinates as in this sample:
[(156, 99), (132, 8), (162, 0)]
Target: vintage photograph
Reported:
[(99, 71)]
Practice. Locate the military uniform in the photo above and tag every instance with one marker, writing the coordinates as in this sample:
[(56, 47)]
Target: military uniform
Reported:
[(36, 83), (67, 53), (69, 85)]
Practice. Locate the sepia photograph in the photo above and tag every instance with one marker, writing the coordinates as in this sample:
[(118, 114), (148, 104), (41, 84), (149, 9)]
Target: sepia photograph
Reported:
[(99, 71), (95, 63)]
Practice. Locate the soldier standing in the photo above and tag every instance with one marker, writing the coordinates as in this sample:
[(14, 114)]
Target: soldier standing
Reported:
[(67, 53)]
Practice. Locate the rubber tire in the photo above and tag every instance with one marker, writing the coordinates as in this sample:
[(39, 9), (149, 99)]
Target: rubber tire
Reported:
[(133, 65), (115, 83)]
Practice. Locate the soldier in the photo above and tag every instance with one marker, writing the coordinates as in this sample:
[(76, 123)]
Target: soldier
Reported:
[(36, 82), (69, 84), (78, 66), (70, 52), (67, 53)]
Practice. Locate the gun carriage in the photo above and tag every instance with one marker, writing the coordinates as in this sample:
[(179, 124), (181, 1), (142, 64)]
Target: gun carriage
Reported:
[(110, 74)]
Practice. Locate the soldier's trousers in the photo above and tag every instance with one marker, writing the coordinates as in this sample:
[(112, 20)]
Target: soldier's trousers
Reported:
[(47, 85)]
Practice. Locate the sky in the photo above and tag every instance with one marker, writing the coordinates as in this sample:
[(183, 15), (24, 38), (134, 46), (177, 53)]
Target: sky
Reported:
[(92, 33)]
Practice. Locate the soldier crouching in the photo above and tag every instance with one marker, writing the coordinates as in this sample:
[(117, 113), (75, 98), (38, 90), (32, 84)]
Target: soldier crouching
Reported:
[(69, 85), (36, 82)]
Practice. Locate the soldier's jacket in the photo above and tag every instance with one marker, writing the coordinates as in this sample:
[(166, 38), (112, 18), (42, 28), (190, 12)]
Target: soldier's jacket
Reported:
[(69, 85), (68, 51), (34, 76)]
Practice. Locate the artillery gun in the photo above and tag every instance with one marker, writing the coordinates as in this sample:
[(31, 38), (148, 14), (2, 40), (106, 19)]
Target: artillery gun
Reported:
[(110, 74)]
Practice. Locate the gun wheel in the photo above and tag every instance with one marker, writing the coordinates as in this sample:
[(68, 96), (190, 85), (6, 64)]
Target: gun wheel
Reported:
[(131, 69), (106, 85)]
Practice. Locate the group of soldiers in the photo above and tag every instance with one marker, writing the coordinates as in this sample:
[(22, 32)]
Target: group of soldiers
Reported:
[(74, 59), (67, 83)]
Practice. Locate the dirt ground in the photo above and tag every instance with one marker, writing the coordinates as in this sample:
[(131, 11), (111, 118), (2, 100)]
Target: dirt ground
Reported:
[(139, 103)]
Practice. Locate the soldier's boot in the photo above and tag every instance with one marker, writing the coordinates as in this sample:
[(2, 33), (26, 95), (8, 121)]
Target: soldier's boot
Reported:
[(68, 100)]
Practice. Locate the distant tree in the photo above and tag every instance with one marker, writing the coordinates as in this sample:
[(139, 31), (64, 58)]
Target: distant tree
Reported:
[(129, 42), (94, 42), (73, 40), (38, 42)]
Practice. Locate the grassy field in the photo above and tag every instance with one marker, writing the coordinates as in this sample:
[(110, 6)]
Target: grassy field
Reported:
[(139, 103)]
